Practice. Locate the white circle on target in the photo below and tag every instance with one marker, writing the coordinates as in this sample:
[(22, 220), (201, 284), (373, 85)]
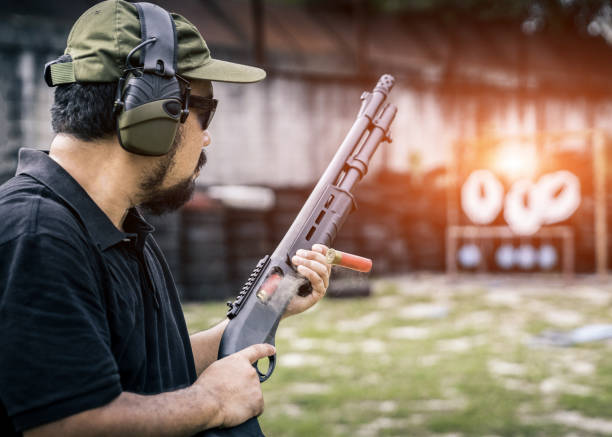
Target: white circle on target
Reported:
[(547, 256), (482, 197), (525, 256), (504, 256), (469, 256)]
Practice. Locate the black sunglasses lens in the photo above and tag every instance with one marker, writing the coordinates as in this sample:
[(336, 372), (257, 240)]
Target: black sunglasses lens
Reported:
[(205, 118), (205, 109)]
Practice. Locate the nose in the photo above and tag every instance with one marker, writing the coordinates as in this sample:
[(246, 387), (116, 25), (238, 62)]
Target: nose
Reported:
[(206, 140)]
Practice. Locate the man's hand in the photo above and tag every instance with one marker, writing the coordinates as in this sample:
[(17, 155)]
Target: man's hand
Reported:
[(234, 383), (311, 264)]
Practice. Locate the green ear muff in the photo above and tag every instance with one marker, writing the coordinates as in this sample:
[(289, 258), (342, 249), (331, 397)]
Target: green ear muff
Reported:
[(149, 103), (148, 129)]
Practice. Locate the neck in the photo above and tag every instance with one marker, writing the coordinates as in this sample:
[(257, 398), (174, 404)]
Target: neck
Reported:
[(105, 171)]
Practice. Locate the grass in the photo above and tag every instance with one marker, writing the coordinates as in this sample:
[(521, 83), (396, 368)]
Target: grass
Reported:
[(425, 356)]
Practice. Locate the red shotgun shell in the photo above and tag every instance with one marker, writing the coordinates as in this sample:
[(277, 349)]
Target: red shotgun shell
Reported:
[(269, 287), (348, 260)]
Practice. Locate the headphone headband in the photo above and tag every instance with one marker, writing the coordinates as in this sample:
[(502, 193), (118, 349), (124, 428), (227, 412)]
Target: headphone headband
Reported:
[(156, 23), (149, 102)]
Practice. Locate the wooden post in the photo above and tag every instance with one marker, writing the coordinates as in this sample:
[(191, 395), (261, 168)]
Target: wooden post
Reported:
[(259, 40), (569, 257), (599, 182), (451, 211), (451, 250)]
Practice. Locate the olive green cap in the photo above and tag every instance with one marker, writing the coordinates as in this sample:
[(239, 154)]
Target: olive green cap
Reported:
[(102, 37)]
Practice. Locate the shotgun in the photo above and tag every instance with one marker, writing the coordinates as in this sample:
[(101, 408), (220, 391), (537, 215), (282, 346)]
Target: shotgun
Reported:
[(256, 312)]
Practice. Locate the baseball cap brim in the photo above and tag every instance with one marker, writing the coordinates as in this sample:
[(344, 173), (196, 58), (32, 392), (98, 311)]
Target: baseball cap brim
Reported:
[(224, 71)]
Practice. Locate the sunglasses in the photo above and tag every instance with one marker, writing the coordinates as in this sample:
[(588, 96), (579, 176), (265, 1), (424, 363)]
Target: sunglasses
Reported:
[(205, 109)]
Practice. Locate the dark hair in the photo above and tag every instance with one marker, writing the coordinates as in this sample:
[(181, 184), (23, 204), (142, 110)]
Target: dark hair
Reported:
[(84, 110)]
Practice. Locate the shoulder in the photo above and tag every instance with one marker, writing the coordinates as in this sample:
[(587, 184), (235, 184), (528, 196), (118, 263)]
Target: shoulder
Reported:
[(28, 207), (44, 251)]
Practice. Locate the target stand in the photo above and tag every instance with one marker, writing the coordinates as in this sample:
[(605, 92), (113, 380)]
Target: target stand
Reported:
[(531, 174), (455, 233)]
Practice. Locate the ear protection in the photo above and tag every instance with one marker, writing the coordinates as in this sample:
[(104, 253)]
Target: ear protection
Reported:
[(149, 103)]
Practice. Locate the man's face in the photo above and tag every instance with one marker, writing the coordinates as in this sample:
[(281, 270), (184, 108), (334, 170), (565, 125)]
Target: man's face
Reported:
[(170, 181)]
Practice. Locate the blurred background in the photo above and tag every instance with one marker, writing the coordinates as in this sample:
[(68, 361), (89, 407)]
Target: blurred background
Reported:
[(486, 312)]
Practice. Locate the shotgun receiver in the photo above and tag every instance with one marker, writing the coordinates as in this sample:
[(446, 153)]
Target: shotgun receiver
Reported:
[(256, 312)]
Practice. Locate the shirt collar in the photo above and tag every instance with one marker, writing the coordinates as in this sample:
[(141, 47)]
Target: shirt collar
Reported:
[(40, 166)]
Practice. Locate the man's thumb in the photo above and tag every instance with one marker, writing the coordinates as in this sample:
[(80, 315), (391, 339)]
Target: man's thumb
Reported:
[(258, 351)]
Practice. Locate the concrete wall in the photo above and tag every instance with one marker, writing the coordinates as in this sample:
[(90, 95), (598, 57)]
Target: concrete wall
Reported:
[(25, 46)]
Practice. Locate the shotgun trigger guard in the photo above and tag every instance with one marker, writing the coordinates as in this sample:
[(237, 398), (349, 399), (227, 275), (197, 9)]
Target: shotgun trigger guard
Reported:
[(271, 365)]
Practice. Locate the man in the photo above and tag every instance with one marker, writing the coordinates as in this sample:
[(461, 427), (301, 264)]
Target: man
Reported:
[(93, 338)]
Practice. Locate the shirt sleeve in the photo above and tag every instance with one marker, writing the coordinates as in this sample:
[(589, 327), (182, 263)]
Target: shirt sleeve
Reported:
[(55, 357)]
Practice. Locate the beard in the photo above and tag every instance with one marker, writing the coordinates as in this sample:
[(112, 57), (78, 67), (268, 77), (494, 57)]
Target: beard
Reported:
[(157, 200)]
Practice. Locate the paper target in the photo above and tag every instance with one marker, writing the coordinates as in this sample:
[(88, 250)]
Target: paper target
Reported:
[(527, 206), (559, 196), (522, 217), (482, 197)]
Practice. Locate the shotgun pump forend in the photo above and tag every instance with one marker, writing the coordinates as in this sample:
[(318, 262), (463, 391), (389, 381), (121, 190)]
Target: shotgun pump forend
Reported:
[(256, 312)]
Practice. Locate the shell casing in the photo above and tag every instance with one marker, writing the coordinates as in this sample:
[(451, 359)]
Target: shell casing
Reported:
[(269, 287), (344, 259), (333, 256)]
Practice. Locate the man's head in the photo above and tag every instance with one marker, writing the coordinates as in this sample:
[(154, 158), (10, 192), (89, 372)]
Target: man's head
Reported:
[(171, 181), (87, 77), (85, 111)]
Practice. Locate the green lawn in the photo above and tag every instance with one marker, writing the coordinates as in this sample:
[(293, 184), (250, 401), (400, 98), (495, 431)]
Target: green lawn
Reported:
[(425, 356)]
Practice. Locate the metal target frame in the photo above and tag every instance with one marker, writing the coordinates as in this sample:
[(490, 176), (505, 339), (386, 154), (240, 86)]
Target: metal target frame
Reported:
[(456, 233), (597, 140)]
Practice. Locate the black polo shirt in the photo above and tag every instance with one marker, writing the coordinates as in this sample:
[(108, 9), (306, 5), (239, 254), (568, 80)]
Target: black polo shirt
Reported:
[(86, 311)]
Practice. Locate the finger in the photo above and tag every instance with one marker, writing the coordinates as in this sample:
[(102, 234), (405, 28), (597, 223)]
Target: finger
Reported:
[(318, 267), (311, 254), (321, 248), (257, 352), (317, 283)]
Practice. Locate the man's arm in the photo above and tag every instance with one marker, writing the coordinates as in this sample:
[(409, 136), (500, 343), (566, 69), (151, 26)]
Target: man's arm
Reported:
[(310, 263), (179, 413), (226, 394), (205, 346)]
